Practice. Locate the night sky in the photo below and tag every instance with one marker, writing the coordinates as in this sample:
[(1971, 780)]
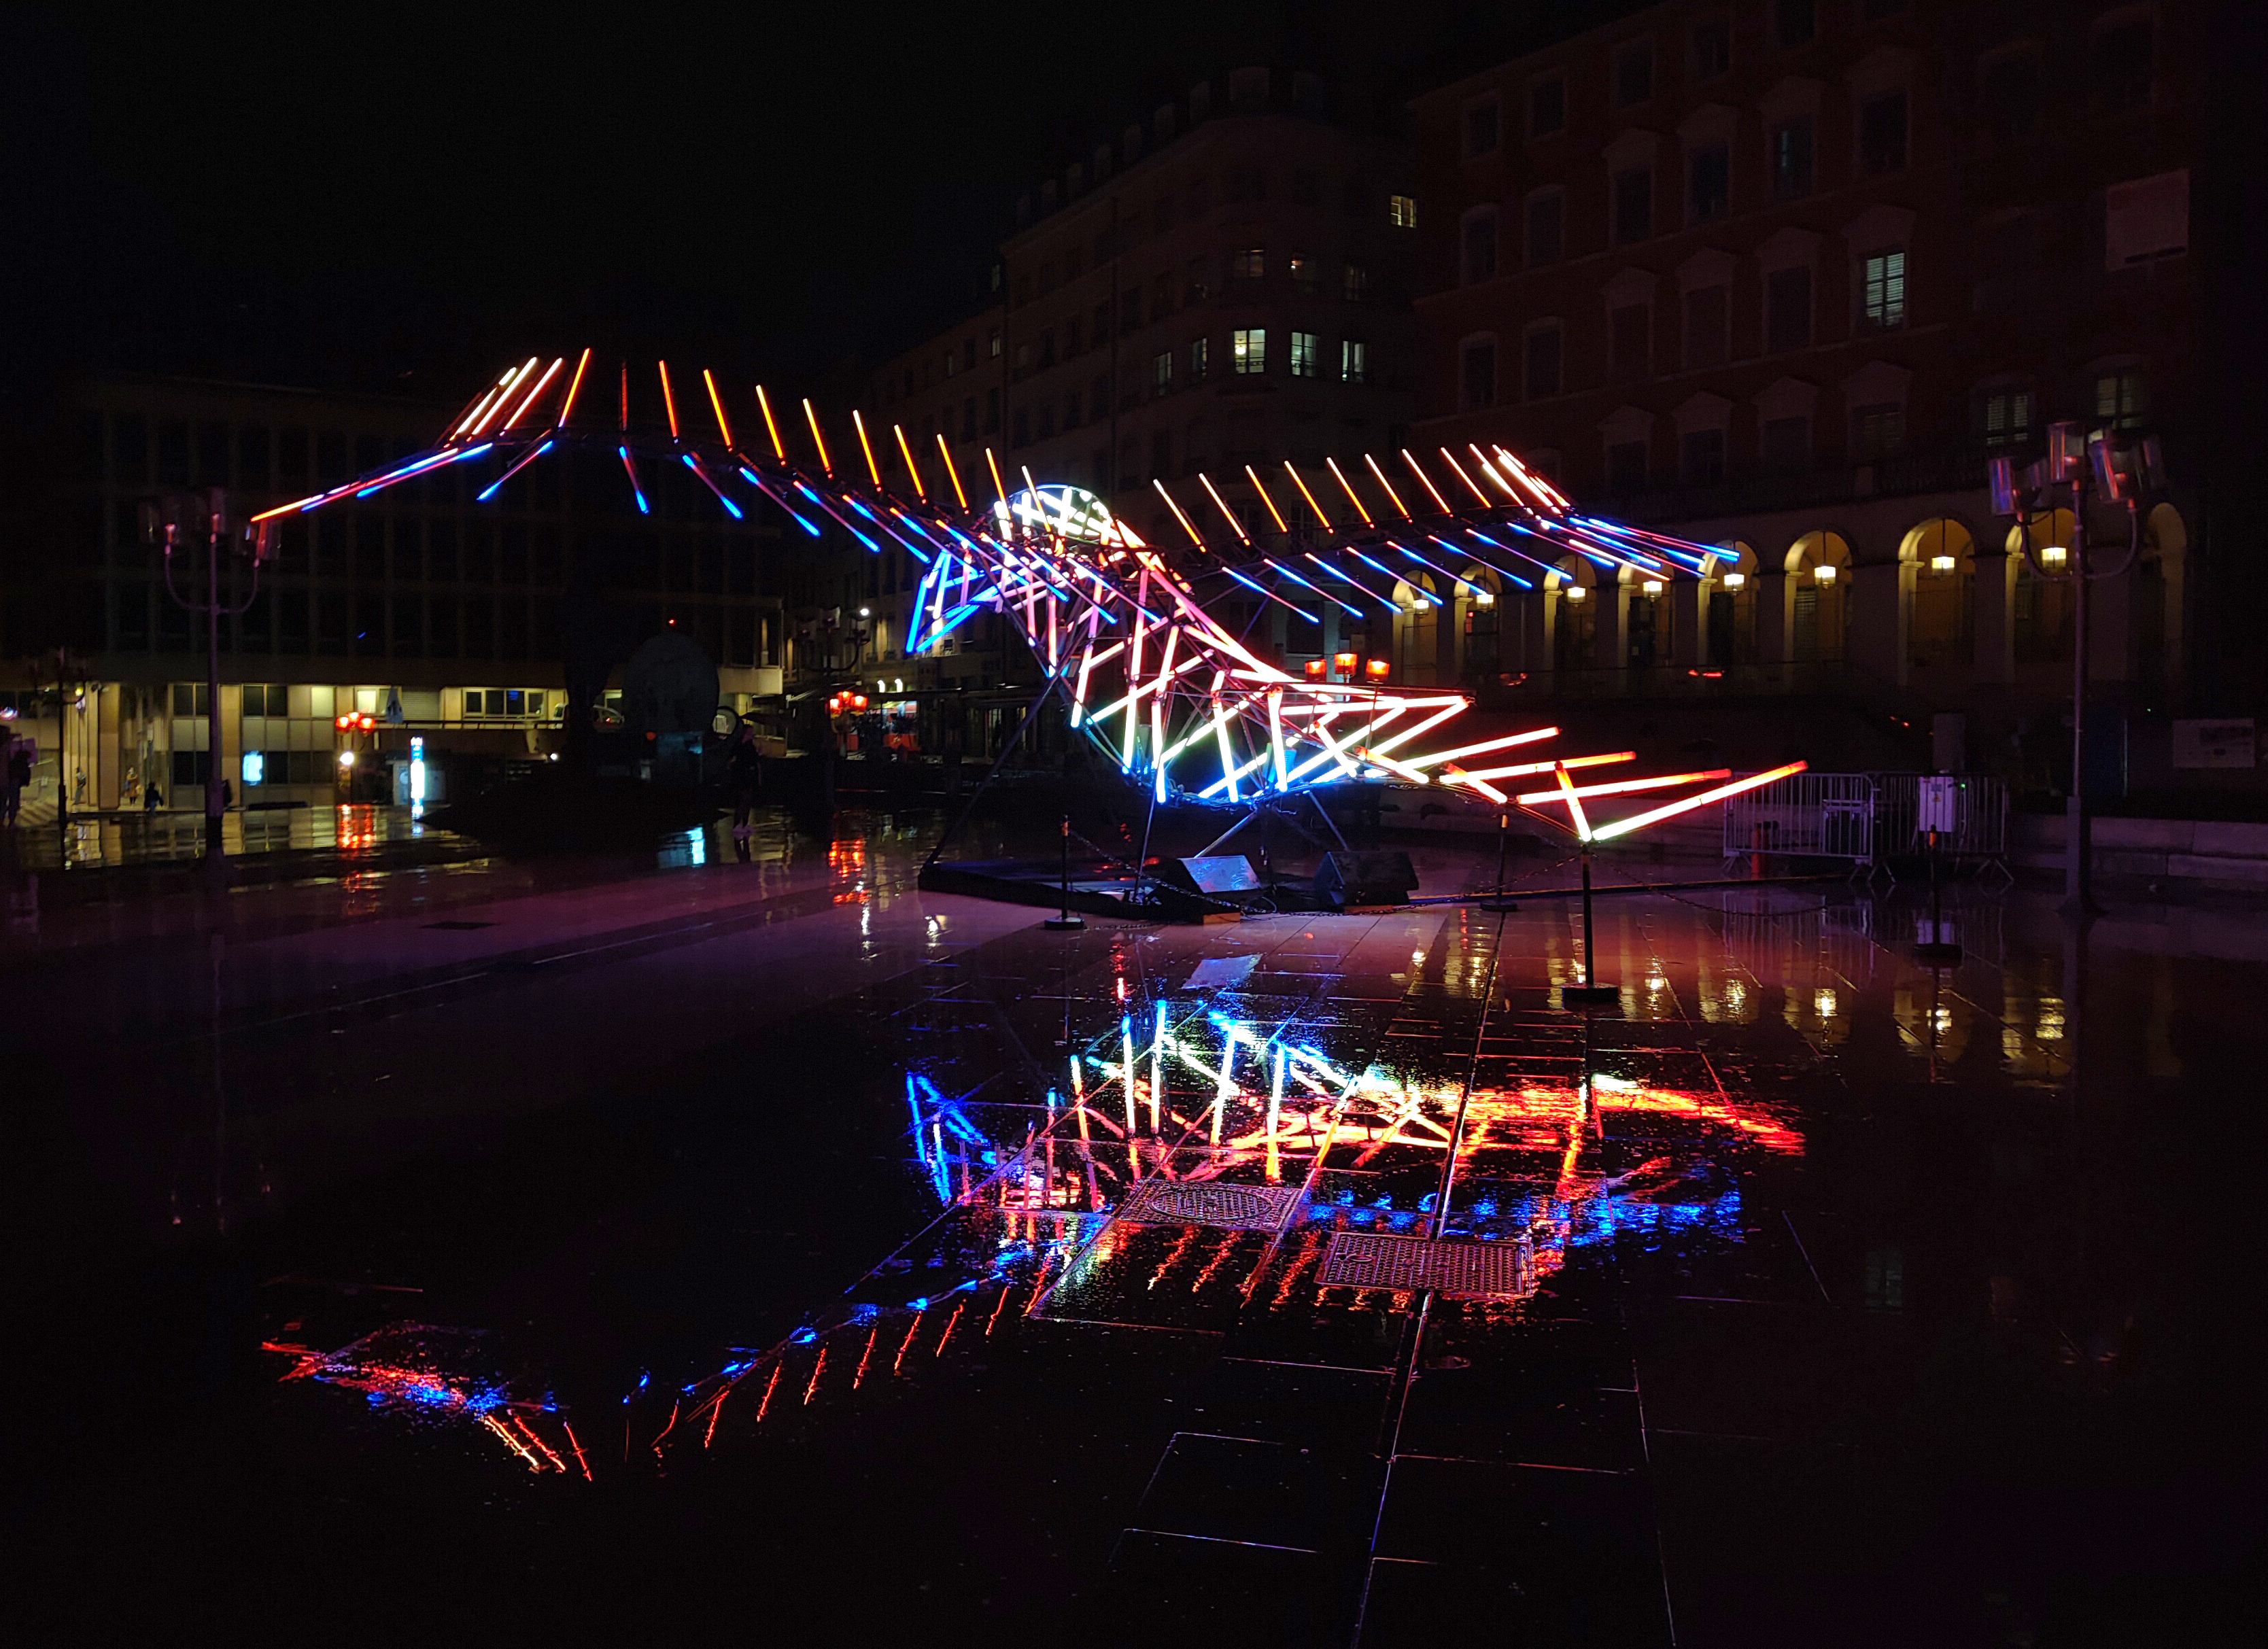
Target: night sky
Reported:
[(390, 197)]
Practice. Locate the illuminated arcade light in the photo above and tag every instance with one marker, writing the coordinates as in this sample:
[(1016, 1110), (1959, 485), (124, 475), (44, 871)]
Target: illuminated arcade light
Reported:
[(1824, 1002), (1652, 586), (1575, 592), (1343, 662), (346, 758), (1734, 580), (1941, 563), (1823, 573), (2052, 555)]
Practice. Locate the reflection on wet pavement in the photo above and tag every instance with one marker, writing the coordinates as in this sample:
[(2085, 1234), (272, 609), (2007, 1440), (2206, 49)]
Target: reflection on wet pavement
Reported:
[(1311, 1275)]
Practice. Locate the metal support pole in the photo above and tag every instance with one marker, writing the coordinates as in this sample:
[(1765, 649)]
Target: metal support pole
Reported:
[(1939, 951), (1065, 923), (2078, 844), (213, 777), (1503, 842), (1590, 989)]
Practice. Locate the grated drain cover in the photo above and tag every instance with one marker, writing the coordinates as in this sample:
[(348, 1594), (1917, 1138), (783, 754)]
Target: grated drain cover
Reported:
[(1485, 1269), (1207, 1202)]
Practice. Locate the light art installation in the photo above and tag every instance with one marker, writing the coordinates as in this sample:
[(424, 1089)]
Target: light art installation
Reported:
[(1140, 641)]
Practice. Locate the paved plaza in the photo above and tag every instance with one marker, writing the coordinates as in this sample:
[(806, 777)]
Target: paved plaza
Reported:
[(536, 1247)]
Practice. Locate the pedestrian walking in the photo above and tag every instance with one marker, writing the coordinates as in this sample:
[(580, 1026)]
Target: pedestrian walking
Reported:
[(15, 774), (744, 776)]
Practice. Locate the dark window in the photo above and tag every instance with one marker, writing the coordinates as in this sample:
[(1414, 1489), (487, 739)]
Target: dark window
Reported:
[(1793, 22), (291, 454), (480, 553), (1022, 435), (370, 626), (1712, 48), (1546, 216), (1787, 309), (2004, 416), (408, 627), (257, 622), (511, 627), (991, 412), (252, 458), (1706, 342), (441, 631), (1481, 128), (1633, 205), (330, 456), (409, 550), (1709, 178), (1785, 444), (2120, 400), (1477, 374), (172, 452), (1161, 452), (130, 448), (1103, 322), (1631, 334), (2011, 89), (213, 455), (1701, 457), (442, 564), (1547, 107), (133, 614), (1357, 287), (1791, 147), (1883, 133), (2122, 66), (1626, 469), (370, 453), (1480, 246), (1543, 373), (291, 620), (547, 554), (330, 545), (1877, 431), (331, 622), (479, 627), (370, 546), (1633, 73)]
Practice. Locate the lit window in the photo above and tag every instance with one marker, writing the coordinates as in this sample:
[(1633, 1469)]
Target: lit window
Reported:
[(1248, 265), (2007, 417), (1303, 273), (1354, 361), (1306, 355), (1401, 211), (1162, 372), (1248, 350), (2118, 399), (1882, 286)]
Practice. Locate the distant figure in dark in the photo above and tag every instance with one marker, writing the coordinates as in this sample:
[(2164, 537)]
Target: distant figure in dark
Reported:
[(15, 773), (152, 798), (227, 795), (744, 776)]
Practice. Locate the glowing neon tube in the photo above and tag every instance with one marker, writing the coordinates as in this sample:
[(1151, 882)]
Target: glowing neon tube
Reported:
[(1457, 469), (636, 491), (1361, 514), (952, 474), (1393, 497), (1522, 769), (575, 384), (866, 447), (1534, 798), (731, 508), (1575, 806), (528, 399), (825, 464), (490, 491), (907, 453), (1303, 493), (1348, 605), (1178, 516), (1234, 526), (1638, 821), (1274, 513), (717, 406), (1418, 471), (1311, 617), (668, 399), (771, 428)]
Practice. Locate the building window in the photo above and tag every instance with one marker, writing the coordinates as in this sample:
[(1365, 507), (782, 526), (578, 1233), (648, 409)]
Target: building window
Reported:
[(2122, 66), (1543, 367), (1710, 180), (1701, 457), (1785, 444), (1630, 335), (1712, 48), (1787, 309), (1071, 411), (1792, 147), (1793, 22), (2004, 416), (1247, 267), (993, 345), (1161, 453), (1706, 340), (1199, 361), (1877, 431), (1547, 107), (1354, 361), (2118, 399), (1357, 287), (1882, 291), (1477, 379), (1481, 129), (1306, 355), (1247, 350), (1302, 269), (1194, 287), (1161, 293), (1626, 469), (1546, 218), (1479, 249), (1883, 133), (1633, 73), (1633, 205), (1401, 211), (1162, 372), (2011, 89), (1023, 429)]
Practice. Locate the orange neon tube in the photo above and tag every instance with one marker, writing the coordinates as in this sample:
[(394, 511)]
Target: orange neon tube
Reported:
[(1638, 821), (1303, 493), (1522, 769), (950, 473), (1332, 464), (1492, 473), (573, 385), (1417, 470), (512, 382), (993, 464), (528, 399), (626, 394), (818, 440), (668, 399), (1379, 475), (866, 447), (1574, 803), (1536, 797), (717, 405), (907, 453), (1273, 511), (1234, 526), (1451, 460), (764, 404), (1178, 516)]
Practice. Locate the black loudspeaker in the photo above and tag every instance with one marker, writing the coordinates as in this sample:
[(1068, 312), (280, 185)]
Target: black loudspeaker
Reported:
[(1229, 878), (1365, 878)]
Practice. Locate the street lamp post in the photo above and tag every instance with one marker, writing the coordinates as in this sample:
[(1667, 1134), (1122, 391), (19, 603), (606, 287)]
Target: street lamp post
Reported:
[(164, 521), (2120, 473)]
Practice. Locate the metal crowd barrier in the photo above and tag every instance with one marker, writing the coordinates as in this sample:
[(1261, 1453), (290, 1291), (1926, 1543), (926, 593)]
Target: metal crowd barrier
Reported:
[(1869, 818)]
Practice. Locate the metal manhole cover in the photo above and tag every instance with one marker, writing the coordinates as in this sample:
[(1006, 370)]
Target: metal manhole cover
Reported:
[(1206, 1202), (1406, 1263), (458, 927)]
